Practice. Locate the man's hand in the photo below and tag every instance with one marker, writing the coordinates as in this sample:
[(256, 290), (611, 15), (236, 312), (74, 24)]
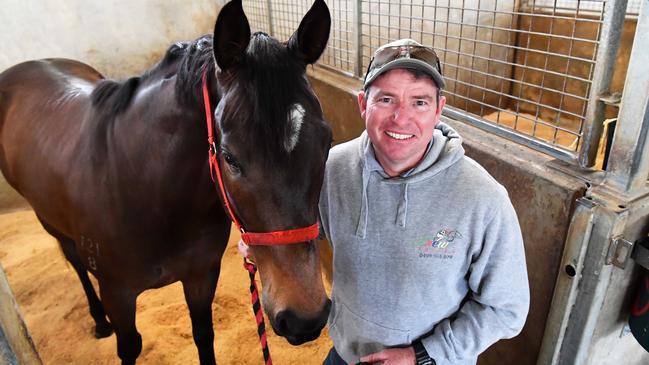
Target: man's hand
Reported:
[(396, 356)]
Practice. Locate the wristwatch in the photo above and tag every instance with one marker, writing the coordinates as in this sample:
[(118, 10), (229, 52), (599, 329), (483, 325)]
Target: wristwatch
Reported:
[(421, 356)]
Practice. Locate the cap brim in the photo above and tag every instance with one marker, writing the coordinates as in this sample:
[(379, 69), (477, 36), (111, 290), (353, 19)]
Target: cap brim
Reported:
[(409, 63)]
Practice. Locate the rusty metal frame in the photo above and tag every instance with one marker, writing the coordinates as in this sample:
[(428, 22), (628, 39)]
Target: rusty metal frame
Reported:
[(611, 32), (628, 167), (579, 301)]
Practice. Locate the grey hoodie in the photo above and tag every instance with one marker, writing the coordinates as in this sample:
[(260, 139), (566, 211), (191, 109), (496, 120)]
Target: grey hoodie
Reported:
[(435, 254)]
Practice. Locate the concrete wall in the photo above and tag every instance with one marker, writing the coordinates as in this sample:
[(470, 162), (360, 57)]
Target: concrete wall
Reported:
[(118, 37)]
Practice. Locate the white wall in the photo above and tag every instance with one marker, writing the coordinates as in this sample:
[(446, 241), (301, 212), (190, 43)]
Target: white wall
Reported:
[(118, 37)]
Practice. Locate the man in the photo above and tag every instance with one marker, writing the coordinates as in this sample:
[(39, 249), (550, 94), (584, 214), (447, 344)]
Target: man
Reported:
[(428, 259)]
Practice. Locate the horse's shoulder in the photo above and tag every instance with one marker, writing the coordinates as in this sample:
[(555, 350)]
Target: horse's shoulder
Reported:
[(114, 97)]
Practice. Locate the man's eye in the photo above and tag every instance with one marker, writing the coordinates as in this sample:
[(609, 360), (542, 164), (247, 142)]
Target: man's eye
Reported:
[(385, 99), (421, 103)]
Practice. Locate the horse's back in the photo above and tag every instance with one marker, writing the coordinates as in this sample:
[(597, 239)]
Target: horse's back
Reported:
[(42, 104)]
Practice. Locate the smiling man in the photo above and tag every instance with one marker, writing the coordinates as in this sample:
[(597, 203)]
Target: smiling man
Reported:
[(428, 259)]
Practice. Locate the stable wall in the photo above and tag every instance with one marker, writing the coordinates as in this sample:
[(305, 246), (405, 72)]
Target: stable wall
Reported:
[(118, 37)]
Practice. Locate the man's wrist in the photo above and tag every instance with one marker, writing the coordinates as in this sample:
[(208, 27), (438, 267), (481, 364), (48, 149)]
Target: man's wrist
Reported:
[(421, 355)]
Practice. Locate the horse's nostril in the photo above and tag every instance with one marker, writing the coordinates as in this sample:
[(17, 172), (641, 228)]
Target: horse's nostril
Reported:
[(298, 330), (283, 322)]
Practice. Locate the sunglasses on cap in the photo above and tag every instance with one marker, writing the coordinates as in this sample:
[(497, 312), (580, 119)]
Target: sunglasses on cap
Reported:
[(388, 54)]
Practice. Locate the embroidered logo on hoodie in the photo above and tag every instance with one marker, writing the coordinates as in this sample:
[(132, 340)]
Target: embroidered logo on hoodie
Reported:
[(439, 246)]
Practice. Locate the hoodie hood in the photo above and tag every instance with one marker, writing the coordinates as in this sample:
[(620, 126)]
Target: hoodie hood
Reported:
[(444, 150)]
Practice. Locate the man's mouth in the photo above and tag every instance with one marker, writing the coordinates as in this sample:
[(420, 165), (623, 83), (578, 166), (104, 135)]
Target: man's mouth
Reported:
[(399, 136)]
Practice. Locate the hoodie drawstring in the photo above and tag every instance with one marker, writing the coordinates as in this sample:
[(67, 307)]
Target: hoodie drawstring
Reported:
[(402, 209), (361, 228)]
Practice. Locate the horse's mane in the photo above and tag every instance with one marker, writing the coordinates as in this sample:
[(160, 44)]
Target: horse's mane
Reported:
[(113, 97), (263, 87)]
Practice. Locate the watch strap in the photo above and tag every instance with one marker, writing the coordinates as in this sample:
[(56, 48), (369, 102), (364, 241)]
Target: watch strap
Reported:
[(421, 355)]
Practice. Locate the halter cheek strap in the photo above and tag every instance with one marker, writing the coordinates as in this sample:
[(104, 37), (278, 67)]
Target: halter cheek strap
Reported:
[(283, 237)]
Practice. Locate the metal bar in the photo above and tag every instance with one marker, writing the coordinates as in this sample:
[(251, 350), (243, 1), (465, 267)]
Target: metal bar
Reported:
[(549, 35), (585, 60), (271, 30), (614, 11), (459, 47), (515, 13), (536, 86), (510, 112), (513, 135), (628, 165), (358, 38), (545, 69), (514, 23), (565, 79), (520, 89), (517, 98), (531, 68), (566, 285), (609, 221), (489, 57)]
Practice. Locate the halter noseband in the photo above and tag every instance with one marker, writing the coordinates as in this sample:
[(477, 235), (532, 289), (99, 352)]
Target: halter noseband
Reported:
[(284, 237)]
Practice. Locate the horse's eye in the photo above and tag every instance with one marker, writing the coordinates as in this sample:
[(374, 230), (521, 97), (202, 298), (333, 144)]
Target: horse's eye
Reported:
[(232, 162)]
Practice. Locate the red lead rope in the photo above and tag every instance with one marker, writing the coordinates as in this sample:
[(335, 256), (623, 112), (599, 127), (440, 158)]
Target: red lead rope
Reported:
[(256, 310), (284, 237)]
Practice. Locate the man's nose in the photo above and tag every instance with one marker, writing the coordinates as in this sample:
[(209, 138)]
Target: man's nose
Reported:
[(401, 113)]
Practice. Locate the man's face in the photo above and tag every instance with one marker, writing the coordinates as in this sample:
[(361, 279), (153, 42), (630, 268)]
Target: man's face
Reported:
[(400, 115)]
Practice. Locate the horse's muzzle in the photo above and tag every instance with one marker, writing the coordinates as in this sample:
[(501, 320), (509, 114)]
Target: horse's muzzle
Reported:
[(299, 330)]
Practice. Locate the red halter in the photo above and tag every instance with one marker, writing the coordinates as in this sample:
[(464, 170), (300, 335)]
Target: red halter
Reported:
[(284, 237)]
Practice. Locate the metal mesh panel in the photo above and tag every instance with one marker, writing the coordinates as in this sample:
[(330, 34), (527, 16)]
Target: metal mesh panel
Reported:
[(522, 69), (257, 14), (285, 19), (525, 66), (632, 9), (341, 50)]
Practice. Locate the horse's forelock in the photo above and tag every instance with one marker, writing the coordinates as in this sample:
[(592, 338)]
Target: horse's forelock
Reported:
[(270, 84)]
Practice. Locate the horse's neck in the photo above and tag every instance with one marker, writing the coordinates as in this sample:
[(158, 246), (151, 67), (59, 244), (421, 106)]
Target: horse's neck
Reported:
[(156, 126)]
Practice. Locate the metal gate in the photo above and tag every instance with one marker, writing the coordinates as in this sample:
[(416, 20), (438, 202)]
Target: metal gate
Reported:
[(536, 71)]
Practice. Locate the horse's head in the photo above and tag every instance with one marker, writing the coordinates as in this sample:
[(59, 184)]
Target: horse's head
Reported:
[(272, 144)]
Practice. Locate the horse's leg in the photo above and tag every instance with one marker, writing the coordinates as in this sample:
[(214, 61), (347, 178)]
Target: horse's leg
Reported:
[(119, 303), (102, 327), (199, 294)]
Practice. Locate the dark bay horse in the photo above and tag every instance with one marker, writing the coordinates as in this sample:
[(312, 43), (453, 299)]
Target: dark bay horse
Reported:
[(118, 171)]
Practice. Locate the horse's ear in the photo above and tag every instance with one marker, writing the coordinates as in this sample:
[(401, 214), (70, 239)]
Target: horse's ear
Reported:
[(231, 35), (310, 39)]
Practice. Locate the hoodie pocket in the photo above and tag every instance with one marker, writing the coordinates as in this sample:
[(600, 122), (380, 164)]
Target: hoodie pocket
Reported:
[(356, 336)]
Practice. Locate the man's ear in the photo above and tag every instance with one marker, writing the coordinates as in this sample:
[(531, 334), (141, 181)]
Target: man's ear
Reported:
[(362, 103)]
